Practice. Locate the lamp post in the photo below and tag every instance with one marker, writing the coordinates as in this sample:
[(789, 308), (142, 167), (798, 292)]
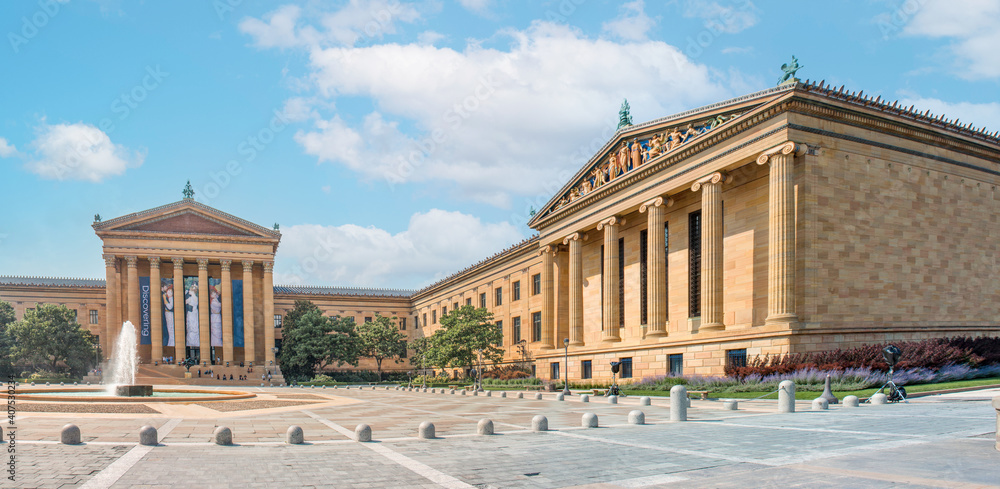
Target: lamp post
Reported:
[(423, 376), (566, 369)]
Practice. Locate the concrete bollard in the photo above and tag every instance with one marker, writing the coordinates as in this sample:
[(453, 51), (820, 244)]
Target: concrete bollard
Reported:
[(851, 401), (996, 407), (644, 401), (503, 394), (636, 417), (489, 393), (475, 393), (538, 396), (363, 433), (820, 404), (70, 435), (426, 430), (612, 399), (222, 436), (433, 391), (484, 427), (678, 403), (464, 392), (589, 420), (560, 397), (539, 423), (520, 395), (786, 396), (879, 398), (731, 405), (312, 387), (584, 398), (294, 435), (147, 436), (828, 393), (689, 401), (424, 389), (453, 391)]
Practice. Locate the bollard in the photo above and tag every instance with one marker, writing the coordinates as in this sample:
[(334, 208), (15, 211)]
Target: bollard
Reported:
[(503, 394), (996, 406), (433, 391), (560, 397), (70, 435), (363, 433), (612, 399), (678, 403), (294, 435), (463, 392), (223, 436), (313, 387), (731, 405), (589, 420), (538, 396), (426, 430), (644, 401), (584, 398), (539, 423), (489, 393), (828, 393), (425, 389), (879, 398), (453, 391), (636, 417), (147, 436), (820, 404), (485, 427), (475, 393), (851, 401), (520, 395), (786, 396)]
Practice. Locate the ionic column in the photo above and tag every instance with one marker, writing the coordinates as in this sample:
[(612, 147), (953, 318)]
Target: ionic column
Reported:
[(111, 308), (548, 297), (656, 278), (227, 312), (249, 345), (133, 294), (575, 288), (155, 311), (609, 299), (204, 311), (268, 312), (781, 235), (180, 340), (711, 250)]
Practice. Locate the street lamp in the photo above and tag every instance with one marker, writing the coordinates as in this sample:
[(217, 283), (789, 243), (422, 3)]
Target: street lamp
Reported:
[(423, 378), (566, 369)]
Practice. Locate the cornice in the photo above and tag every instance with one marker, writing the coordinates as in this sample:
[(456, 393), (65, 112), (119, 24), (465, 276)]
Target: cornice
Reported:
[(184, 204)]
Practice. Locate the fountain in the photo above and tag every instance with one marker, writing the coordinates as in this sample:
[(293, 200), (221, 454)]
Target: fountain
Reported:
[(124, 364)]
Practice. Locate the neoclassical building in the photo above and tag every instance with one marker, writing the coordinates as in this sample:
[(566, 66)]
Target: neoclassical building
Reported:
[(794, 219)]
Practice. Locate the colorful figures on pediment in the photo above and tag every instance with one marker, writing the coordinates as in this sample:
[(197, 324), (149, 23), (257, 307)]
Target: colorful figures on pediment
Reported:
[(636, 153)]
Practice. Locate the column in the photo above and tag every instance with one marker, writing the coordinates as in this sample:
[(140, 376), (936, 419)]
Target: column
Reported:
[(249, 347), (204, 311), (155, 309), (548, 297), (609, 295), (656, 272), (227, 311), (133, 294), (180, 342), (575, 242), (268, 313), (711, 250), (781, 234), (111, 308)]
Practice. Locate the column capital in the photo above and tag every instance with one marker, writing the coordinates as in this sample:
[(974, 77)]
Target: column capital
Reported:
[(178, 262), (710, 179), (154, 261), (268, 266), (246, 263), (110, 260), (611, 221), (574, 237), (131, 260), (202, 263), (656, 203), (226, 263), (783, 148)]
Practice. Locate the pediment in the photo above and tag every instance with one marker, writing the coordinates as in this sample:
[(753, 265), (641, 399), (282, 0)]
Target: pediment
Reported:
[(186, 217), (187, 222)]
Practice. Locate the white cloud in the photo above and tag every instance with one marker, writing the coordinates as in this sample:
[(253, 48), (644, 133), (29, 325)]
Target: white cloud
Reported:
[(632, 23), (972, 25), (733, 19), (478, 7), (6, 149), (429, 37), (980, 115), (434, 245), (359, 20), (298, 109), (79, 152), (737, 50)]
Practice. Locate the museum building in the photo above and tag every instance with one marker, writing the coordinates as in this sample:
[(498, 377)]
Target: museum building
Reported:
[(795, 219)]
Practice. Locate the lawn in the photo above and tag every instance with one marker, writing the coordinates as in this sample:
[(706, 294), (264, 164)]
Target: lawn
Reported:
[(807, 395)]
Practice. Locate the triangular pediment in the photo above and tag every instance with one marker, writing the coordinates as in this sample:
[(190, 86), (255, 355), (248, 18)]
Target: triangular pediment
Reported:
[(186, 217), (186, 222)]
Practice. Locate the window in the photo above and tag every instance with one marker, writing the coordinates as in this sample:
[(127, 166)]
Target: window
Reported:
[(74, 311), (277, 320), (516, 291), (516, 330), (533, 373), (402, 353), (482, 300), (93, 316), (621, 282), (444, 311), (676, 364), (587, 368), (500, 340), (434, 316), (499, 297), (536, 284), (536, 326), (425, 319), (468, 301), (736, 358), (626, 371), (643, 276), (454, 307), (694, 264), (554, 366), (402, 324), (368, 319)]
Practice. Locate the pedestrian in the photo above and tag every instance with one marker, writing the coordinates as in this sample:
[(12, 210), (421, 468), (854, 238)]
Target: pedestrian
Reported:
[(199, 373)]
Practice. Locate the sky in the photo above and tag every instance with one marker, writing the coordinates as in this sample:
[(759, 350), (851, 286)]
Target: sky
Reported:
[(398, 142)]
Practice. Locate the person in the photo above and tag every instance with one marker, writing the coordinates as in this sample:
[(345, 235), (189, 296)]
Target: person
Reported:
[(168, 311), (191, 316), (230, 376), (215, 317), (199, 373)]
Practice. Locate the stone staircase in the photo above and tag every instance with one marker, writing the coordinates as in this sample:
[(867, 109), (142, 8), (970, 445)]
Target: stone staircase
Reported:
[(174, 375)]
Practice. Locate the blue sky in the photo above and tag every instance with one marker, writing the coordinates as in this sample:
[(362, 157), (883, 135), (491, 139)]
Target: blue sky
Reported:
[(398, 142)]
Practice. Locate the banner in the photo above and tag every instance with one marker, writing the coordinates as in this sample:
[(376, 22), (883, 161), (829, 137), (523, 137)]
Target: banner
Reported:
[(167, 292), (238, 313), (215, 309), (144, 337), (191, 337)]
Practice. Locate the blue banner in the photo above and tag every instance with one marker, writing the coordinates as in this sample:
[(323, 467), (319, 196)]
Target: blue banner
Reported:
[(238, 313), (144, 338), (167, 292)]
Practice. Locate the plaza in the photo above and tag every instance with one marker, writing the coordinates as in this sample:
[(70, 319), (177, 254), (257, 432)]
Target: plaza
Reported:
[(935, 441)]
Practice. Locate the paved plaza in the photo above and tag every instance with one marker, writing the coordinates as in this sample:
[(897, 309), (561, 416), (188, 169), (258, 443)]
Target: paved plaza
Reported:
[(936, 441)]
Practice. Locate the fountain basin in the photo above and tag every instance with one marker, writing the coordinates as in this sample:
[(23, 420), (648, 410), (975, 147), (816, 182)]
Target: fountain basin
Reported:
[(101, 395), (134, 390)]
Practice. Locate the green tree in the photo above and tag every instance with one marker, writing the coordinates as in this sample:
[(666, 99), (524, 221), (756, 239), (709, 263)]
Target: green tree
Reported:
[(381, 340), (468, 336), (50, 335), (7, 318), (312, 341)]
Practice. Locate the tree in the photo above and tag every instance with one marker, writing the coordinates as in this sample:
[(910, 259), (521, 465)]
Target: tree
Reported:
[(380, 339), (468, 336), (51, 335), (7, 318), (312, 341)]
